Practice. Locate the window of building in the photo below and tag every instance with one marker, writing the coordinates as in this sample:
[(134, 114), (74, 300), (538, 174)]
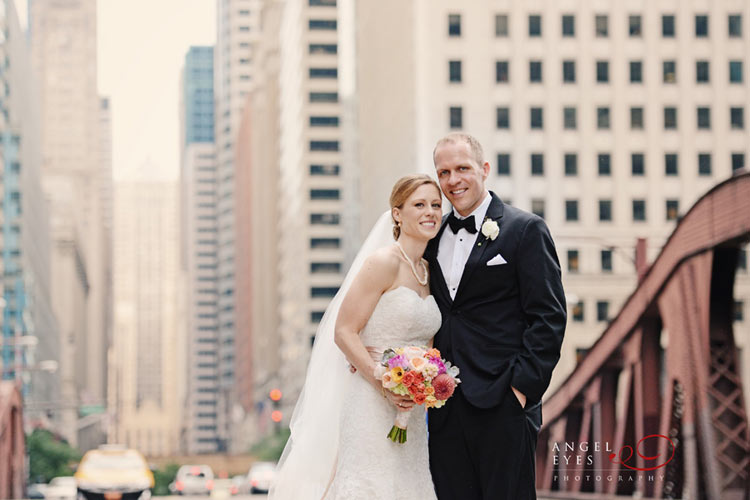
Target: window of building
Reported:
[(535, 25), (324, 145), (701, 26), (634, 26), (742, 260), (503, 117), (601, 23), (323, 291), (322, 3), (704, 164), (636, 118), (637, 164), (602, 118), (670, 118), (324, 121), (537, 164), (316, 316), (537, 207), (739, 310), (673, 209), (324, 243), (605, 210), (537, 118), (501, 25), (569, 71), (737, 118), (636, 72), (738, 161), (535, 71), (704, 118), (735, 26), (670, 72), (573, 264), (570, 118), (604, 163), (503, 164), (568, 26), (502, 74), (454, 71), (667, 26), (328, 170), (578, 312), (702, 72), (454, 24), (606, 261), (602, 310), (602, 72), (571, 164), (456, 117), (325, 267), (571, 210), (670, 164), (325, 219), (325, 194), (322, 24), (324, 97), (323, 48), (735, 71), (324, 73)]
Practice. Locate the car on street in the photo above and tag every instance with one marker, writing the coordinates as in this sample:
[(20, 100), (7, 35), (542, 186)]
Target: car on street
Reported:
[(260, 476), (61, 488), (193, 480), (35, 491), (114, 472)]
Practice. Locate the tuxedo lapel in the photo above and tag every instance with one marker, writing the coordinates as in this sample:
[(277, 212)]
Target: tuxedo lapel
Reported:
[(494, 212), (431, 254)]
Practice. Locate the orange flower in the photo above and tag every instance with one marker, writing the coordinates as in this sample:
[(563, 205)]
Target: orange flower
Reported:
[(420, 398), (429, 390), (432, 353), (409, 379)]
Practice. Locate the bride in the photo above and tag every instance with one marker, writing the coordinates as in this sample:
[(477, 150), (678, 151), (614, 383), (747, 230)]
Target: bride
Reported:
[(338, 447)]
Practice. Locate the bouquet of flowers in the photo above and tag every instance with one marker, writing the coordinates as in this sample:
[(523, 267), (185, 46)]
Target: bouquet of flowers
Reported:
[(419, 373)]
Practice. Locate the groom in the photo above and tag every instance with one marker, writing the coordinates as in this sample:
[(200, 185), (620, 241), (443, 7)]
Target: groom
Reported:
[(496, 278)]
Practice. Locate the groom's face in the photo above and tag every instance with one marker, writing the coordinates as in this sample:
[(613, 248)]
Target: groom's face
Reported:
[(461, 177)]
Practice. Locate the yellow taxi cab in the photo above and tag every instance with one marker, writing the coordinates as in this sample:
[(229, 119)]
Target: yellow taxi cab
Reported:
[(114, 472)]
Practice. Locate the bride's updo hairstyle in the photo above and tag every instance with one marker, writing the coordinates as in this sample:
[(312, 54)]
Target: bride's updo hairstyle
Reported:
[(404, 188)]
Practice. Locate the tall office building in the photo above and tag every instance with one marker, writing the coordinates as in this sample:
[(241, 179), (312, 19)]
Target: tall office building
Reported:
[(146, 370), (237, 27), (63, 40), (198, 245), (608, 119), (28, 328)]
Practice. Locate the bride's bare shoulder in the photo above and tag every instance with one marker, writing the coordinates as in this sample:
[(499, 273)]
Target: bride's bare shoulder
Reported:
[(383, 261)]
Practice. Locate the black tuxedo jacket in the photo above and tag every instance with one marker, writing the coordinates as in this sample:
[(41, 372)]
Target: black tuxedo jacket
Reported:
[(506, 324)]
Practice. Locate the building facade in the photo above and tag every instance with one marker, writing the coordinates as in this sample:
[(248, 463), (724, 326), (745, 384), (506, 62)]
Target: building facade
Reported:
[(199, 245), (607, 119), (147, 370), (28, 329)]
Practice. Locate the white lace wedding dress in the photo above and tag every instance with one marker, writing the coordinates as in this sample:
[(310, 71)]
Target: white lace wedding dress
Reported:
[(370, 466)]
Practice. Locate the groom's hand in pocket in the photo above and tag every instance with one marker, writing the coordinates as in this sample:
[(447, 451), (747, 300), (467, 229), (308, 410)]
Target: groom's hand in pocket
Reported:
[(520, 396)]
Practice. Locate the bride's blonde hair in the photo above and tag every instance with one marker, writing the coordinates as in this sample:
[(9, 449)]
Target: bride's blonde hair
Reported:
[(404, 188)]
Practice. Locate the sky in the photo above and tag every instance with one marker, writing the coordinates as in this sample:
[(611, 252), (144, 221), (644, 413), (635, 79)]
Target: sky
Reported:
[(141, 52)]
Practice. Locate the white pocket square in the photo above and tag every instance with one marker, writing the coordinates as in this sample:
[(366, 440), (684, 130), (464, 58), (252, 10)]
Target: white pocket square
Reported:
[(497, 260)]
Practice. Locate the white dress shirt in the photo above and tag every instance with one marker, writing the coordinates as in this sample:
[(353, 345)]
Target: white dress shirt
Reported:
[(454, 248)]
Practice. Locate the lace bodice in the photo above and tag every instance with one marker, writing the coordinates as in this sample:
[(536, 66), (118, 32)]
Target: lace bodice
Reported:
[(370, 466), (401, 318)]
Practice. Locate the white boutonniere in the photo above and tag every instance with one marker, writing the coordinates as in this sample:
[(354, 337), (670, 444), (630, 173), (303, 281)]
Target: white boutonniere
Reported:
[(490, 229)]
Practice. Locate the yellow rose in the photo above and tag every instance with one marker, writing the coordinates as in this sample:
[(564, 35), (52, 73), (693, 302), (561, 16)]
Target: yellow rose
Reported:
[(397, 373)]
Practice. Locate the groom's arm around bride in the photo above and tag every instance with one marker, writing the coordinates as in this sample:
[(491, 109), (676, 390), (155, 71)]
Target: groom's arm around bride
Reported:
[(497, 281)]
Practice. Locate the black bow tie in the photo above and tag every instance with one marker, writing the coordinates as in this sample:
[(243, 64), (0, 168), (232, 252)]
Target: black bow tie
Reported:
[(468, 223)]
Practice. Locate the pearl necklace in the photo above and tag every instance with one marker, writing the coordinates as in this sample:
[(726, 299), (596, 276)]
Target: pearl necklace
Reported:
[(422, 282)]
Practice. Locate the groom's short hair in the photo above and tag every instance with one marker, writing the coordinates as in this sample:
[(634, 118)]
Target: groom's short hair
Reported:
[(455, 138)]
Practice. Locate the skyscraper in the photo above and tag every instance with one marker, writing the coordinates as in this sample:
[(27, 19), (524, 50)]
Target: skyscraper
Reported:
[(199, 258)]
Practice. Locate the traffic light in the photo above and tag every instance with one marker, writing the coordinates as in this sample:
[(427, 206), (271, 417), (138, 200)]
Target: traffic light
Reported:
[(276, 414)]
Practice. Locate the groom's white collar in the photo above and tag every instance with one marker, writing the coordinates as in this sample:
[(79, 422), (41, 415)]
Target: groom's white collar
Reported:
[(478, 212)]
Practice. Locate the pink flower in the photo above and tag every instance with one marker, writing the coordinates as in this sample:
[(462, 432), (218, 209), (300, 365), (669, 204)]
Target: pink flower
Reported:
[(439, 363), (444, 386)]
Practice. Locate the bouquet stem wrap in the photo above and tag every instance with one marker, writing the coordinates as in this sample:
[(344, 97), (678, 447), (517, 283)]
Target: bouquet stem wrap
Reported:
[(397, 433)]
